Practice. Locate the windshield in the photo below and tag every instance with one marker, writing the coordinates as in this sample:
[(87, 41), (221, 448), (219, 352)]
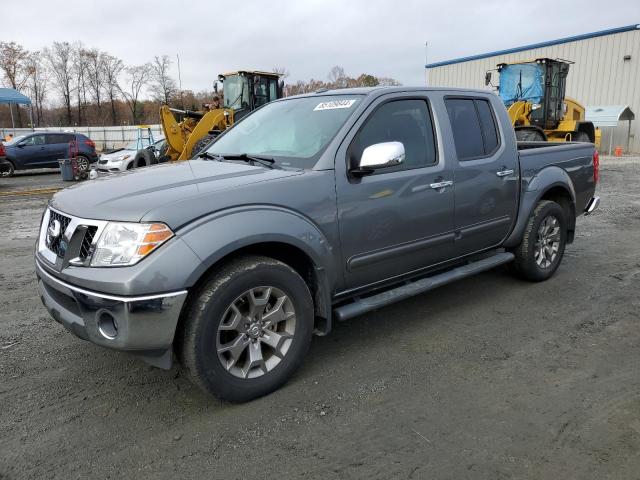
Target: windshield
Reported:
[(15, 140), (236, 93), (292, 132)]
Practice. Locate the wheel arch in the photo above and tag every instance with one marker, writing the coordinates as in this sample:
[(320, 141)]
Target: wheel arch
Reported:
[(551, 183), (226, 236)]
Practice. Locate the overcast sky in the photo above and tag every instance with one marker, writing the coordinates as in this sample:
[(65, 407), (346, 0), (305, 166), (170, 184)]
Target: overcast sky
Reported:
[(308, 37)]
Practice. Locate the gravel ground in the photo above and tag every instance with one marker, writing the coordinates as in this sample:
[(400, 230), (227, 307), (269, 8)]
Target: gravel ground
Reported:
[(487, 378)]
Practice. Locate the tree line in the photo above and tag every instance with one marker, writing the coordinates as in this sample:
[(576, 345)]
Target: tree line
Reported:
[(72, 84)]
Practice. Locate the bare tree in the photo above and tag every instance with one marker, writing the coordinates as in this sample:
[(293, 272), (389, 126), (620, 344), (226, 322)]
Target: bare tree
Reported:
[(163, 86), (95, 73), (13, 63), (282, 71), (112, 67), (60, 61), (80, 66), (38, 83), (337, 77), (137, 78)]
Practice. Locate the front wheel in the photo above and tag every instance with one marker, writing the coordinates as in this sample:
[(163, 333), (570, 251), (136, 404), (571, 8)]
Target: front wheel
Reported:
[(543, 243), (247, 329), (7, 170)]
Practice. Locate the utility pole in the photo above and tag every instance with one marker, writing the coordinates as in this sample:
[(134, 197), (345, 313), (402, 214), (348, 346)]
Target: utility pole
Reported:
[(426, 62), (180, 83)]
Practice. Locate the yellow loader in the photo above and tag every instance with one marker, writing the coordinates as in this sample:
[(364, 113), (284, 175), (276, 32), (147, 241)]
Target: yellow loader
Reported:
[(244, 91), (534, 94)]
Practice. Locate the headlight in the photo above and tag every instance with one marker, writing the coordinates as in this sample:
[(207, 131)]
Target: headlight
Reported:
[(121, 158), (123, 244)]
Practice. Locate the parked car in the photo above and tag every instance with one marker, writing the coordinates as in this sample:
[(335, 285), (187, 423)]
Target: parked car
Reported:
[(123, 159), (5, 166), (311, 209), (44, 149)]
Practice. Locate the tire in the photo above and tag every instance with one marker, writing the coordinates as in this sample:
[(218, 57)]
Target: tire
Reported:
[(529, 135), (580, 137), (533, 262), (201, 144), (144, 158), (7, 169), (208, 331), (83, 164)]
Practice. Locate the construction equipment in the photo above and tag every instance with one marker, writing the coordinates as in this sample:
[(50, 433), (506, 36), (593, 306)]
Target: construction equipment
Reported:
[(244, 91), (534, 94)]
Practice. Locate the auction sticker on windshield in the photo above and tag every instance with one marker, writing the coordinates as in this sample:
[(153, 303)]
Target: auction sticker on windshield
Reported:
[(334, 104)]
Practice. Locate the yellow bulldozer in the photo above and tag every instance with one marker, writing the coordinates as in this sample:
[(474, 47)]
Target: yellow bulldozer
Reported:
[(534, 94), (244, 91)]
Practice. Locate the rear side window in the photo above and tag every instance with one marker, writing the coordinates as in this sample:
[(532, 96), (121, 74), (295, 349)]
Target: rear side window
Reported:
[(474, 129), (53, 138), (405, 121)]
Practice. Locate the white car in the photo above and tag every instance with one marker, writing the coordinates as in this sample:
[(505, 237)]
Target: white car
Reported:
[(122, 159)]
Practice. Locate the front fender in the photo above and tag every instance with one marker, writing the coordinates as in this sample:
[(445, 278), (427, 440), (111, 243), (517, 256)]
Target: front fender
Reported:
[(217, 235), (533, 189)]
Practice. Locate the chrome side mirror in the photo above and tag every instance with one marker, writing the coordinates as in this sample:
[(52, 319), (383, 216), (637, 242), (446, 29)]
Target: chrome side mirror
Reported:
[(380, 155)]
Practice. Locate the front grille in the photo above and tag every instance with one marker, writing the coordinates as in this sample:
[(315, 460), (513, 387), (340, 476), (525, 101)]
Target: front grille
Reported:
[(57, 245), (86, 247)]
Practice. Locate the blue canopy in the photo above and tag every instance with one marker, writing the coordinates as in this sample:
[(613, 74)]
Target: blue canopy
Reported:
[(9, 95), (523, 81)]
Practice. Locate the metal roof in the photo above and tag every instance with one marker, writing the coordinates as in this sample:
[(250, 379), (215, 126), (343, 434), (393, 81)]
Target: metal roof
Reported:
[(9, 95), (608, 115), (558, 41)]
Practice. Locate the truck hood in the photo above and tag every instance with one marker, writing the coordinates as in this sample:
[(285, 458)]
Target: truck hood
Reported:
[(127, 196)]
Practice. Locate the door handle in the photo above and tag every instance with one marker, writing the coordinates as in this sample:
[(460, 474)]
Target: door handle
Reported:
[(41, 148), (504, 173), (439, 185)]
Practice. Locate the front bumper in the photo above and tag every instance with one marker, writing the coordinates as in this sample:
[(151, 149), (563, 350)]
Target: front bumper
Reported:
[(144, 324)]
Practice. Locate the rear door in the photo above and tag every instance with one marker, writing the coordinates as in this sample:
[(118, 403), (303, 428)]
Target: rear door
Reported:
[(57, 147), (393, 222), (486, 175)]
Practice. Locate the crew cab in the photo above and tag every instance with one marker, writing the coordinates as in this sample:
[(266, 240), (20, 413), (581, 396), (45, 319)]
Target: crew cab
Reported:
[(310, 210)]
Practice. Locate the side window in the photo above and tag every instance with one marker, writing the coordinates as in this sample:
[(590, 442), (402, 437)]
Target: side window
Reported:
[(54, 138), (489, 128), (35, 140), (474, 130), (405, 121)]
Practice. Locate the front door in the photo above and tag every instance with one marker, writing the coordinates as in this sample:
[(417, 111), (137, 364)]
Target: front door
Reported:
[(396, 219), (486, 178), (32, 152)]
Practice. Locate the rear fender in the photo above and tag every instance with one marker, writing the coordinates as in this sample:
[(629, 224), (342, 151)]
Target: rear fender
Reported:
[(533, 191)]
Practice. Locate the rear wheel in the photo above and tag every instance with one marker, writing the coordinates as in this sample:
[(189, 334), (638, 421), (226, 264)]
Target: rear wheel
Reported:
[(83, 164), (580, 137), (543, 243), (248, 329), (530, 135)]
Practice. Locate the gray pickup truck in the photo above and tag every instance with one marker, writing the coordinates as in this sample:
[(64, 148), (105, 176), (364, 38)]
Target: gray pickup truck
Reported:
[(312, 209)]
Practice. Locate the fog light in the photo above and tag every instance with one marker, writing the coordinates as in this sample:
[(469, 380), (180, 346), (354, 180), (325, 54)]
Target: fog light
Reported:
[(107, 325)]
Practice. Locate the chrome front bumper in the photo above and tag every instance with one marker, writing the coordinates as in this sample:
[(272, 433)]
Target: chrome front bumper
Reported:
[(143, 324), (592, 205)]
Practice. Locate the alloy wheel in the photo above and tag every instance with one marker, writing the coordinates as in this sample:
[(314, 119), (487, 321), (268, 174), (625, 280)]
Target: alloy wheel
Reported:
[(256, 332), (547, 242)]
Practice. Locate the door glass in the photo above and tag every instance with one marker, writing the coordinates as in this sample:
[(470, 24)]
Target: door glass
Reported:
[(273, 89), (405, 121), (466, 128), (55, 138), (35, 140), (488, 124)]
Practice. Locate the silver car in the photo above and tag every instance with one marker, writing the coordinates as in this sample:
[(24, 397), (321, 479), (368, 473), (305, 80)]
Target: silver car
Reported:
[(122, 159)]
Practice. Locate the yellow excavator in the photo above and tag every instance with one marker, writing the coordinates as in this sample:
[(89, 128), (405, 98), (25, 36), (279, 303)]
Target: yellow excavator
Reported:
[(534, 94), (244, 91)]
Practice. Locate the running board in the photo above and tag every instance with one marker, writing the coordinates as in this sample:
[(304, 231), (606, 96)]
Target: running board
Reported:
[(363, 305)]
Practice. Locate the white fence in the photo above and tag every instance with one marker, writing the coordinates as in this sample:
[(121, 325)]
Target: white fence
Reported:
[(104, 137)]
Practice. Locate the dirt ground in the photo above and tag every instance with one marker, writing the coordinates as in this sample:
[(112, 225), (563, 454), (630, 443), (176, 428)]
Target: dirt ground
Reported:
[(488, 378)]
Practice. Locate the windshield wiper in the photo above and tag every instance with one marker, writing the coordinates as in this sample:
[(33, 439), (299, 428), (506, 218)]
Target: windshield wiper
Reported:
[(265, 161), (208, 156)]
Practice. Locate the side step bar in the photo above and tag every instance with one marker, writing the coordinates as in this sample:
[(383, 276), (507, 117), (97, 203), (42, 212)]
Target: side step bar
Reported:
[(363, 305)]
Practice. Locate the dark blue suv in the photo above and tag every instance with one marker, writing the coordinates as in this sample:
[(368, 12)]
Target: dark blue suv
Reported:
[(44, 149)]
